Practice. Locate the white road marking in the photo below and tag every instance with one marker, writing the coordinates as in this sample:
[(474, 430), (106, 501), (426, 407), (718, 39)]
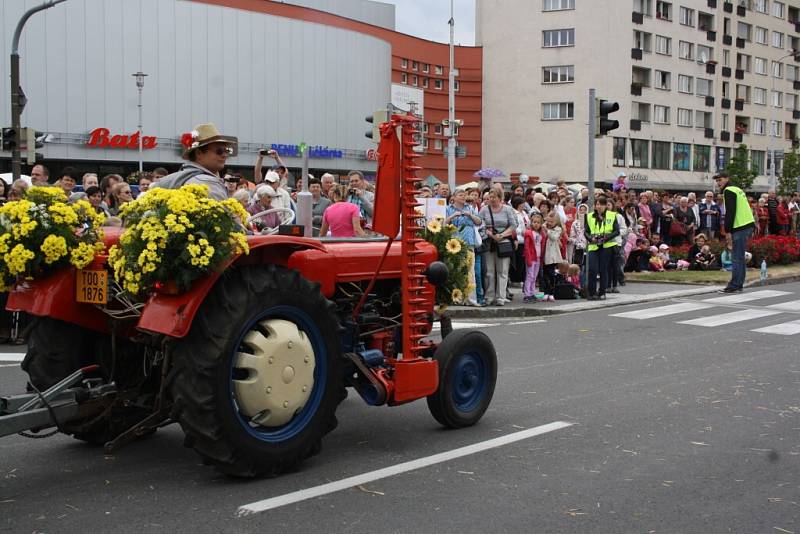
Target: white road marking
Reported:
[(11, 356), (662, 311), (527, 322), (456, 325), (784, 329), (732, 317), (747, 296), (9, 365), (366, 478), (792, 305)]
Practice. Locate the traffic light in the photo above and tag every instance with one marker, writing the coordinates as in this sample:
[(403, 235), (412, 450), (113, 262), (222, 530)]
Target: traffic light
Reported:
[(33, 140), (603, 124), (376, 119), (10, 141)]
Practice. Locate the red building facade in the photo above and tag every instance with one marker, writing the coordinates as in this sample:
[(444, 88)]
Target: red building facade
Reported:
[(417, 63)]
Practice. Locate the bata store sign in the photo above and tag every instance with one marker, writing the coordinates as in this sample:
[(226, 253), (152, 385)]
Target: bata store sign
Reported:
[(102, 138)]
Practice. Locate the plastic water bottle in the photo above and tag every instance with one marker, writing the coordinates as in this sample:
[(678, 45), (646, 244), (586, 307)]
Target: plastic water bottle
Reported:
[(763, 270)]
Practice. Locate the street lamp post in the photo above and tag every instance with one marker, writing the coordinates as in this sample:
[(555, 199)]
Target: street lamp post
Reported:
[(451, 141), (772, 181), (140, 76), (17, 96)]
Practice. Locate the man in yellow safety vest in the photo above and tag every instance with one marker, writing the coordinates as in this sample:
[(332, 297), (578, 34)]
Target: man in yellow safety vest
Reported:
[(739, 224), (600, 228)]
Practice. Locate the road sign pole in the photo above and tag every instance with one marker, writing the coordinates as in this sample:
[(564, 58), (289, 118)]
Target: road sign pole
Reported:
[(592, 128)]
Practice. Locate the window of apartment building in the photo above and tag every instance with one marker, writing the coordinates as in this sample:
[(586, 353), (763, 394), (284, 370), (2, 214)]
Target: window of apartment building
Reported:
[(642, 41), (424, 144), (640, 157), (705, 21), (723, 157), (759, 96), (403, 77), (438, 84), (702, 158), (660, 114), (553, 111), (791, 101), (438, 69), (778, 9), (684, 83), (661, 153), (643, 6), (704, 53), (684, 117), (776, 128), (414, 65), (703, 119), (791, 73), (743, 62), (726, 89), (404, 63), (556, 38), (777, 99), (777, 69), (558, 5), (761, 35), (438, 129), (437, 144), (558, 74), (759, 126), (618, 152), (686, 16), (681, 157), (704, 87), (725, 122), (425, 83), (757, 161), (663, 45), (743, 31), (685, 50), (777, 39), (743, 92), (414, 80), (726, 58), (456, 86), (640, 111), (760, 66), (760, 6), (662, 80), (425, 127), (663, 10)]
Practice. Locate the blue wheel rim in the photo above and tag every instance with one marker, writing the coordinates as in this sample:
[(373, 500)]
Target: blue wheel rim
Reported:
[(469, 381), (300, 421)]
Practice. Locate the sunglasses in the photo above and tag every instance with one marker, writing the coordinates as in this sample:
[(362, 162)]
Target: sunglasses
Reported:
[(231, 180), (224, 151)]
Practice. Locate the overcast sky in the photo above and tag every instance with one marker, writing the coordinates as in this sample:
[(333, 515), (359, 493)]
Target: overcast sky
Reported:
[(428, 19)]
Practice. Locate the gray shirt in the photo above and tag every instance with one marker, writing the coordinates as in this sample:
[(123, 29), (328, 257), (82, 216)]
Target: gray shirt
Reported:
[(507, 217), (200, 175)]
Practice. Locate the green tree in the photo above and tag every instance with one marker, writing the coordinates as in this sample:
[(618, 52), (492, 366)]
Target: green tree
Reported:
[(787, 183), (738, 168)]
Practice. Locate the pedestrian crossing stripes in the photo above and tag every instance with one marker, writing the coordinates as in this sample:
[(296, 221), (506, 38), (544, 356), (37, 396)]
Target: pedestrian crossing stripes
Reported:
[(739, 298), (785, 329), (792, 305), (728, 318), (6, 357), (663, 311)]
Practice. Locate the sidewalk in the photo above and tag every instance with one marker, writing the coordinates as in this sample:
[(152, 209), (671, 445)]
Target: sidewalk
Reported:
[(632, 293)]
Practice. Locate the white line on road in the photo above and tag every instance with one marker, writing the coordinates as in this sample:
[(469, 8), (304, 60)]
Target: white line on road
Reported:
[(9, 365), (747, 296), (662, 311), (727, 318), (792, 305), (456, 326), (527, 322), (12, 356), (366, 478), (784, 329)]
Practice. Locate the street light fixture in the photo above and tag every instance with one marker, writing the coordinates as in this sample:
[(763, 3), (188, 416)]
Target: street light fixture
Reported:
[(140, 76), (772, 180)]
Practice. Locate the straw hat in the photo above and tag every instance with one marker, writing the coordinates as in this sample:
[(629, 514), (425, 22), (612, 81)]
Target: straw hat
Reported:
[(205, 134)]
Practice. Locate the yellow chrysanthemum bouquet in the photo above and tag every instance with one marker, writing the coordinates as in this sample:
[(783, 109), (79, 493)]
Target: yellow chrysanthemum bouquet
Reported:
[(175, 236), (42, 233), (454, 253)]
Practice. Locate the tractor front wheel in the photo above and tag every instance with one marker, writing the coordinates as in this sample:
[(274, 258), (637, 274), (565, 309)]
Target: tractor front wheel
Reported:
[(256, 382), (467, 377)]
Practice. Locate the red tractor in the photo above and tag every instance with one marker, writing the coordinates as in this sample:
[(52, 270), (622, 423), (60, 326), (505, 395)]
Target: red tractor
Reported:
[(253, 361)]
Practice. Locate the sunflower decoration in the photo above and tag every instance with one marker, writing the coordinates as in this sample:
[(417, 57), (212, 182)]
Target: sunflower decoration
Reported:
[(454, 253)]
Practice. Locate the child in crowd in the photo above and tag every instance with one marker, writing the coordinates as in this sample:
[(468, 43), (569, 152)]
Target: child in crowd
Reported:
[(726, 258), (554, 228), (655, 263), (705, 259), (663, 253), (639, 257), (563, 288), (574, 276), (535, 241)]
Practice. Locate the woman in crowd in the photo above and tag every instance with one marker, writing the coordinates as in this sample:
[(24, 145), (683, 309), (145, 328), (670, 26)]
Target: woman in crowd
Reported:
[(264, 196), (600, 229), (761, 215), (554, 229), (342, 218), (517, 273), (665, 216), (121, 195), (95, 198), (501, 223), (466, 219), (18, 190), (684, 215), (106, 184), (576, 243)]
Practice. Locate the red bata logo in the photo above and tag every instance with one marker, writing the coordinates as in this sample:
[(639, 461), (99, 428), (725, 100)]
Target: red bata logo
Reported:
[(100, 138)]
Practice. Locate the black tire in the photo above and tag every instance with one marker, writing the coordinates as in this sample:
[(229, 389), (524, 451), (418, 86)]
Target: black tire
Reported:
[(55, 350), (467, 378), (202, 380)]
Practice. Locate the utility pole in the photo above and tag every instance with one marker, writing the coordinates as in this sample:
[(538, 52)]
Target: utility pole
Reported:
[(451, 141), (140, 85), (592, 131), (18, 99)]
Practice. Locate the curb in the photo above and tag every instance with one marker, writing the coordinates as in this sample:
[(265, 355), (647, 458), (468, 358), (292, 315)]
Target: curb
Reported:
[(533, 311)]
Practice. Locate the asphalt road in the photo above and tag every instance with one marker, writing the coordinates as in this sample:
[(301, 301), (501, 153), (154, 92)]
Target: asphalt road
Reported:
[(676, 428)]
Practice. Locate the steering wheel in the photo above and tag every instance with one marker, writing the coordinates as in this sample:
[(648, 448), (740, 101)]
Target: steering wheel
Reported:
[(286, 218)]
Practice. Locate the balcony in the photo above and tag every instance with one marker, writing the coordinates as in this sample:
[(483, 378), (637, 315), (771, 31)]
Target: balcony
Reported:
[(711, 35), (725, 103), (739, 104), (740, 74), (636, 89), (796, 85), (636, 125), (740, 42), (636, 53), (711, 68), (637, 18), (737, 138), (741, 11), (709, 133), (724, 136), (796, 114), (727, 7), (710, 101), (726, 71), (712, 4)]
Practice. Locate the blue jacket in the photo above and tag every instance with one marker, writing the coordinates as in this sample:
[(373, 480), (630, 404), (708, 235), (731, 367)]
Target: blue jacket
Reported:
[(709, 221)]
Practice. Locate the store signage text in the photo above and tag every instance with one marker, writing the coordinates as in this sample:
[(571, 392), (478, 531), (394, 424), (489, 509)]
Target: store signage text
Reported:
[(319, 152), (637, 177), (372, 155), (102, 138)]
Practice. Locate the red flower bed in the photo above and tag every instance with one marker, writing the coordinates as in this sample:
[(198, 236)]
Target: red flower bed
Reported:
[(776, 249)]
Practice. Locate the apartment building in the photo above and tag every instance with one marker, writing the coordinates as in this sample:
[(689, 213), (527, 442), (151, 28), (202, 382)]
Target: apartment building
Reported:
[(694, 80)]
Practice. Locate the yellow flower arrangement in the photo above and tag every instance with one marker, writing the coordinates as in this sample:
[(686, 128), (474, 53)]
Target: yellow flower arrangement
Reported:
[(453, 252), (434, 226), (178, 235), (453, 246), (43, 232)]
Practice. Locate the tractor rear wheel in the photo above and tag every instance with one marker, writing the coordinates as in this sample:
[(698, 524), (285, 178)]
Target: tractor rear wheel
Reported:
[(467, 377), (257, 380)]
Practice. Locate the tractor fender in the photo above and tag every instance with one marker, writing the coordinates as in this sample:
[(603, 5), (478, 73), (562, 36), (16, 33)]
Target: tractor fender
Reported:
[(172, 315)]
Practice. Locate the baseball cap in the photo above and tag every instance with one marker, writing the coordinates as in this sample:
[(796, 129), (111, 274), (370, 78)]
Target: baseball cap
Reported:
[(621, 175), (272, 176), (663, 246)]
